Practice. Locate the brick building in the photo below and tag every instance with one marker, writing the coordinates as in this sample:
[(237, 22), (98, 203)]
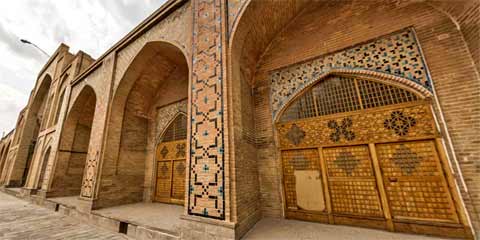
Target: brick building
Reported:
[(360, 113)]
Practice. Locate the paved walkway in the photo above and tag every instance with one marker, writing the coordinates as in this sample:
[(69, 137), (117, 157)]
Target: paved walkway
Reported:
[(23, 221), (281, 229), (157, 215)]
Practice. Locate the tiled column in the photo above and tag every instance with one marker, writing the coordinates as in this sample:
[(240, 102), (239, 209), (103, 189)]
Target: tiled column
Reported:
[(207, 205), (206, 195)]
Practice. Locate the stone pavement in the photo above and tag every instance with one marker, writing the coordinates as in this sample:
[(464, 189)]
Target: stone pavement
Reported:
[(281, 229), (23, 221)]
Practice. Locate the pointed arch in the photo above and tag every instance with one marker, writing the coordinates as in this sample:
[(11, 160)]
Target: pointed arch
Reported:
[(68, 170), (35, 118), (59, 106), (3, 156), (157, 77), (3, 161), (43, 168)]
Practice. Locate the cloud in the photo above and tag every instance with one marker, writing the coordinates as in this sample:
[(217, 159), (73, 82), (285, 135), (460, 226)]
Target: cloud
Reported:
[(12, 101), (89, 25), (130, 10), (12, 42)]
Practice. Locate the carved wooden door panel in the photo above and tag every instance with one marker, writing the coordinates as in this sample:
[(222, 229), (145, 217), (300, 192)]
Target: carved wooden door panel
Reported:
[(414, 182), (351, 179), (302, 179), (170, 182)]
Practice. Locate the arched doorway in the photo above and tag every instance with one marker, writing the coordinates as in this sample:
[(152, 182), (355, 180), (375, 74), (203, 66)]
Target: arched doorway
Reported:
[(153, 89), (170, 162), (74, 142), (4, 164), (276, 55), (359, 151), (41, 178), (37, 116), (3, 158)]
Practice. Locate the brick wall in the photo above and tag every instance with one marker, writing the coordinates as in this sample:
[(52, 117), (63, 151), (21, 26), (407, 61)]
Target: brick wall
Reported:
[(466, 13), (244, 178)]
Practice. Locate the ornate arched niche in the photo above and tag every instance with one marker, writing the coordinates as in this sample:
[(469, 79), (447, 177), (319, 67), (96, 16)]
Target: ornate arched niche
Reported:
[(365, 150)]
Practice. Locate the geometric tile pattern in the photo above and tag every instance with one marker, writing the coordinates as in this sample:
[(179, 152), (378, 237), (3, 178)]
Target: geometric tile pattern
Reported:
[(206, 196), (88, 182), (396, 54)]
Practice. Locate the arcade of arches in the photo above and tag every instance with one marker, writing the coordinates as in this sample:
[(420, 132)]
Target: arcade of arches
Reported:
[(216, 114)]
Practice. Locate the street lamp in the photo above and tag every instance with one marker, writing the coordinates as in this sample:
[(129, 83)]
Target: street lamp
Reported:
[(33, 44)]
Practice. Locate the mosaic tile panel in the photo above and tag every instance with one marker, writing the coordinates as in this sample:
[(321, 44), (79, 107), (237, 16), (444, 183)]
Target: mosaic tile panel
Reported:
[(397, 54), (206, 196), (89, 178)]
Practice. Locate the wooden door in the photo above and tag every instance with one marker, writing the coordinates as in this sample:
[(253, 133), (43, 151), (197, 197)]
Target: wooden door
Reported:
[(351, 180), (375, 146), (302, 179), (415, 183), (170, 182)]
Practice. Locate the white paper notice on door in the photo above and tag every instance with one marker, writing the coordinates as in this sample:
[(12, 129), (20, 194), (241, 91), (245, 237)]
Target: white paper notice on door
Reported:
[(308, 186)]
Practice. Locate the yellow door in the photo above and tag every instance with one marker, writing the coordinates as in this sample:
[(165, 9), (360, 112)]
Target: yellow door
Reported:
[(351, 181), (415, 184), (170, 184)]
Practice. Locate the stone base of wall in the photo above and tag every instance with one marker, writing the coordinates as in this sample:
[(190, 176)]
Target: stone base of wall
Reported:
[(206, 229)]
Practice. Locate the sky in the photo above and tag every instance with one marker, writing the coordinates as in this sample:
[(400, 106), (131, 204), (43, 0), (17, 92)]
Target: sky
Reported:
[(92, 26)]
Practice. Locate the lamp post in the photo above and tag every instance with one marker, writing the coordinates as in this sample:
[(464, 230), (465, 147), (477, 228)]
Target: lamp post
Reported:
[(33, 44)]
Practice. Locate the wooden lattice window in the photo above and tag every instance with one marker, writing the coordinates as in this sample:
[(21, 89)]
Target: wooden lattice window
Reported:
[(177, 129), (339, 94)]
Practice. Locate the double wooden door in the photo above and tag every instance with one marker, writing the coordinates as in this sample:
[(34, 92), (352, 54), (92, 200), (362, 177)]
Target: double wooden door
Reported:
[(360, 151), (374, 185), (170, 174), (356, 169)]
